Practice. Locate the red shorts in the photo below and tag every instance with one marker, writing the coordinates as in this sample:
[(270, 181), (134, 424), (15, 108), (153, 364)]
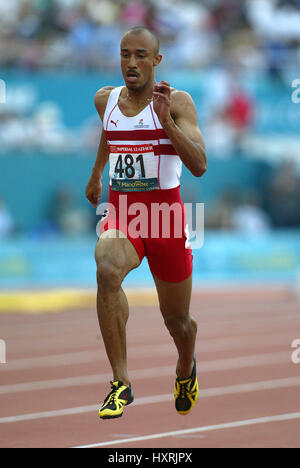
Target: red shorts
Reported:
[(155, 223)]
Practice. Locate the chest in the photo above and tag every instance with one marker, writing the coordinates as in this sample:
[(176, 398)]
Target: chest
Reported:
[(130, 109), (144, 120)]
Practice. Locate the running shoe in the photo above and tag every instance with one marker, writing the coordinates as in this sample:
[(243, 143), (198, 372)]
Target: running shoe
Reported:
[(120, 396), (186, 392)]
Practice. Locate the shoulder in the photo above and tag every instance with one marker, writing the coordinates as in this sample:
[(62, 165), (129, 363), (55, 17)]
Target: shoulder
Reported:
[(181, 102), (180, 98), (101, 98)]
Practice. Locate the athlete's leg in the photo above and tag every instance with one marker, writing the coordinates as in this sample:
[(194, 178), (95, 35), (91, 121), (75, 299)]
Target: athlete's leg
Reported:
[(174, 300), (115, 258)]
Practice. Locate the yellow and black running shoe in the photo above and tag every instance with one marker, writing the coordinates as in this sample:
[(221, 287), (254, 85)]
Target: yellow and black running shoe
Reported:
[(186, 392), (120, 396)]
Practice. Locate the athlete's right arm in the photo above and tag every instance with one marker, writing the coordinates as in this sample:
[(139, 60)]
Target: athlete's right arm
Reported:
[(94, 186)]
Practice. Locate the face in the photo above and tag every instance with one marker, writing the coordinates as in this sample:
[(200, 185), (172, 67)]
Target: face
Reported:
[(138, 60)]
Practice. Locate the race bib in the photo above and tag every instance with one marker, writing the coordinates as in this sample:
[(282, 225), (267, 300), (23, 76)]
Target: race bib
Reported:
[(133, 168)]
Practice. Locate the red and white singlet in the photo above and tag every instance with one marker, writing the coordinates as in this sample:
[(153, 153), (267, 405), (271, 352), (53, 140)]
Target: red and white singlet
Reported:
[(142, 157), (145, 168)]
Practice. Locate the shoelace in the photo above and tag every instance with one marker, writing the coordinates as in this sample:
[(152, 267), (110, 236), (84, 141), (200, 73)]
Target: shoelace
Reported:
[(183, 388), (113, 393)]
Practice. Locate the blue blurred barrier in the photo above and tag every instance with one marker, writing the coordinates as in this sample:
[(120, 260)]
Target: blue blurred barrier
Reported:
[(38, 178), (74, 93), (62, 262)]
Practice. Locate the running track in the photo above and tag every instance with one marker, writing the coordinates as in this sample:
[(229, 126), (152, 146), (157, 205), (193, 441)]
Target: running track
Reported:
[(57, 374)]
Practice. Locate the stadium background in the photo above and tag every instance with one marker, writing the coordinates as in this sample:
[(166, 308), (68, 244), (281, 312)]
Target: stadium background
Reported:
[(240, 62), (237, 59)]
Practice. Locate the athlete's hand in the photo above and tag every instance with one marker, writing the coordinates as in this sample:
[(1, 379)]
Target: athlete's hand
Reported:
[(93, 190), (162, 101)]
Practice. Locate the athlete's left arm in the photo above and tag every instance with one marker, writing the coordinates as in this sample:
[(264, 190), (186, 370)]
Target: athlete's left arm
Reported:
[(178, 116)]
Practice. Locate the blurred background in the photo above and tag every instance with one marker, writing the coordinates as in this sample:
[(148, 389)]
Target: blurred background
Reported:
[(238, 60)]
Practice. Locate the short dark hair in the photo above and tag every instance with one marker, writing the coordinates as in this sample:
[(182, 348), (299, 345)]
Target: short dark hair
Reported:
[(140, 29)]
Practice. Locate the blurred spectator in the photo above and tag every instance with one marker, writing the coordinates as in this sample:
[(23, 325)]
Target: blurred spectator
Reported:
[(220, 135), (6, 220), (249, 217), (67, 216), (47, 129), (195, 43), (239, 114), (231, 116), (135, 12), (42, 129), (275, 18), (237, 211), (72, 33), (239, 110), (276, 23), (221, 210), (90, 134), (283, 196)]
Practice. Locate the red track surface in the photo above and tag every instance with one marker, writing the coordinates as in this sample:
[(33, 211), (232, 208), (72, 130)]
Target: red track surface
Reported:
[(57, 362)]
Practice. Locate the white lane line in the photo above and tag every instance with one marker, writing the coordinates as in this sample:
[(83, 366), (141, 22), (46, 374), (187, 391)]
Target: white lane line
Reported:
[(207, 319), (49, 414), (83, 357), (215, 427), (166, 349), (150, 373), (205, 393)]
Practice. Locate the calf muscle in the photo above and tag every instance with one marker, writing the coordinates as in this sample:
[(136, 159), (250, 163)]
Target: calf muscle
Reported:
[(114, 258)]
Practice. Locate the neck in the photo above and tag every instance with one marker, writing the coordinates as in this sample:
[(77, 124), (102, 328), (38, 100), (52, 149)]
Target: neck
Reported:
[(141, 95)]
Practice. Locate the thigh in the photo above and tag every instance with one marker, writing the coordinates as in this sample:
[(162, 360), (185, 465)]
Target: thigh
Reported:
[(169, 259), (169, 255), (115, 250), (112, 227), (174, 298)]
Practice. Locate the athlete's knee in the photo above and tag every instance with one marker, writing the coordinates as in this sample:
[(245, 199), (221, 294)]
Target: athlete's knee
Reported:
[(109, 276), (109, 269), (180, 325)]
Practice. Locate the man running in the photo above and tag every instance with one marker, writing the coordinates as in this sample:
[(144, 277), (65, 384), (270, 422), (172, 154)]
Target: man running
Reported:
[(149, 130)]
